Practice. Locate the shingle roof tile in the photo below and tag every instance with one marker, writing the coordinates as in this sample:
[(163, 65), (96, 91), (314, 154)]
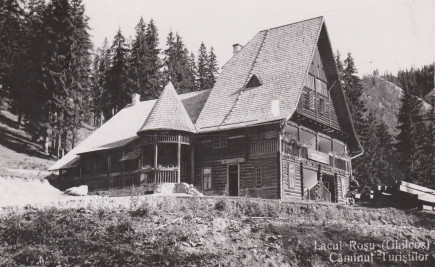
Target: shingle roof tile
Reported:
[(281, 57), (168, 113)]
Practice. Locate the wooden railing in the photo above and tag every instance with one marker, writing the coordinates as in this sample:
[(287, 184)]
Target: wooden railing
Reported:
[(338, 162), (262, 147), (165, 138)]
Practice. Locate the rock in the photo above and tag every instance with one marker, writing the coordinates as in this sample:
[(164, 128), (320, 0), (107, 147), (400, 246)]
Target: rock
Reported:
[(187, 189), (77, 191)]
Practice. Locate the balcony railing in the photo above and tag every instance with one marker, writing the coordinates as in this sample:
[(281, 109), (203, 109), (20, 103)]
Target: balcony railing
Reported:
[(336, 161), (165, 138), (161, 176), (262, 147)]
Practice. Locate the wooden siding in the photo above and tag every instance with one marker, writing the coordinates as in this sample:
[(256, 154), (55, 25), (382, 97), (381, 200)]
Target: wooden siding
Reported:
[(238, 149), (340, 179), (317, 69), (295, 192)]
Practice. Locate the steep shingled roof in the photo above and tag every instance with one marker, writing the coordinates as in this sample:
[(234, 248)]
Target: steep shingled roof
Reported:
[(281, 57), (168, 113), (122, 128)]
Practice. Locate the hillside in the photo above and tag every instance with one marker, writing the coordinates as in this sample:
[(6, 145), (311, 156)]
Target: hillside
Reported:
[(19, 152), (383, 99), (211, 231)]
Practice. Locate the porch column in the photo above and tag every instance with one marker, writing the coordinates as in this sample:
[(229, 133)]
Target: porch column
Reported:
[(179, 159), (192, 163), (156, 152)]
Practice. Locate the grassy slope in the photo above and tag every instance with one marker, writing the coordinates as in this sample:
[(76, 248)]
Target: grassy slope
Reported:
[(17, 150), (171, 231)]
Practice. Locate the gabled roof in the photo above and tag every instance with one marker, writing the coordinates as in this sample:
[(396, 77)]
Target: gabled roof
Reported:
[(168, 113), (122, 127), (281, 57)]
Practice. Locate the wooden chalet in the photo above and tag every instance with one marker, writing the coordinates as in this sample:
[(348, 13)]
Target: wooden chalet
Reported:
[(275, 125)]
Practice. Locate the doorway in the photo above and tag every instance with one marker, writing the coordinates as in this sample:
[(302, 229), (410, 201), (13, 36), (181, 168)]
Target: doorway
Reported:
[(233, 180), (329, 183)]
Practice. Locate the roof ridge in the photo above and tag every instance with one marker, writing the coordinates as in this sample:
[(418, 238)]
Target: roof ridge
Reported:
[(296, 22), (247, 78)]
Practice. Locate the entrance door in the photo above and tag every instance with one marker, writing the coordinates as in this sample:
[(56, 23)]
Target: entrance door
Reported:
[(233, 180), (328, 182)]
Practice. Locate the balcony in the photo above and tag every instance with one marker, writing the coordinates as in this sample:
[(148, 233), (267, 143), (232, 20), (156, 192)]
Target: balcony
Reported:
[(264, 147), (336, 161)]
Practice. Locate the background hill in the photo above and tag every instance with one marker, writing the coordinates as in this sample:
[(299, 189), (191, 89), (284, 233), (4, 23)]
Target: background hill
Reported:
[(383, 99)]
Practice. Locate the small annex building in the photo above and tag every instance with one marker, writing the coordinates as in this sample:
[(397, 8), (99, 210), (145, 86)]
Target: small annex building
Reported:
[(275, 125)]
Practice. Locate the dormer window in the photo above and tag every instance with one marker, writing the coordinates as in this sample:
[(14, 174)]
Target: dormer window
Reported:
[(254, 81)]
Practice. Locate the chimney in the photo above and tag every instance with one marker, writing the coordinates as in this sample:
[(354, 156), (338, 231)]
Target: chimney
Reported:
[(236, 48), (135, 99)]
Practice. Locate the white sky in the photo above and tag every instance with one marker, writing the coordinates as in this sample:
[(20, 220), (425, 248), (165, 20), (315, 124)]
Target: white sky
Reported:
[(382, 34)]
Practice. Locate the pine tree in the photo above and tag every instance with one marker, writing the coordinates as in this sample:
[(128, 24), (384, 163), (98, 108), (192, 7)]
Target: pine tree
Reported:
[(78, 73), (213, 69), (137, 61), (339, 64), (408, 140), (428, 149), (99, 81), (366, 166), (13, 53), (117, 94), (178, 69), (353, 88), (203, 67), (153, 63), (386, 163), (193, 68)]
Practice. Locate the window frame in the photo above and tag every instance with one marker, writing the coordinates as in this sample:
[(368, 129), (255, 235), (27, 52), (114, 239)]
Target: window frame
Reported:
[(291, 172), (322, 105), (320, 91), (208, 185), (258, 176), (220, 142)]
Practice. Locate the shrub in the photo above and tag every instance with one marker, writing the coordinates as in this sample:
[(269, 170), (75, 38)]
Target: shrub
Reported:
[(221, 205), (142, 210)]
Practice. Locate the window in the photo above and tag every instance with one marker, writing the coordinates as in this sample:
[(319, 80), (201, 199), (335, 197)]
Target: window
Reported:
[(309, 81), (308, 99), (219, 142), (258, 176), (321, 87), (206, 178), (292, 130), (339, 148), (325, 144), (291, 176), (308, 139), (321, 105)]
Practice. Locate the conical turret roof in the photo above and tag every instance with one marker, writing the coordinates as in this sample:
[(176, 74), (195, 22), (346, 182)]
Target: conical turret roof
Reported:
[(168, 113)]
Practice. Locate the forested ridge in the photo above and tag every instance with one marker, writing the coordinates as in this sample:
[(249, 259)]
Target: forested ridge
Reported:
[(406, 152), (56, 81)]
